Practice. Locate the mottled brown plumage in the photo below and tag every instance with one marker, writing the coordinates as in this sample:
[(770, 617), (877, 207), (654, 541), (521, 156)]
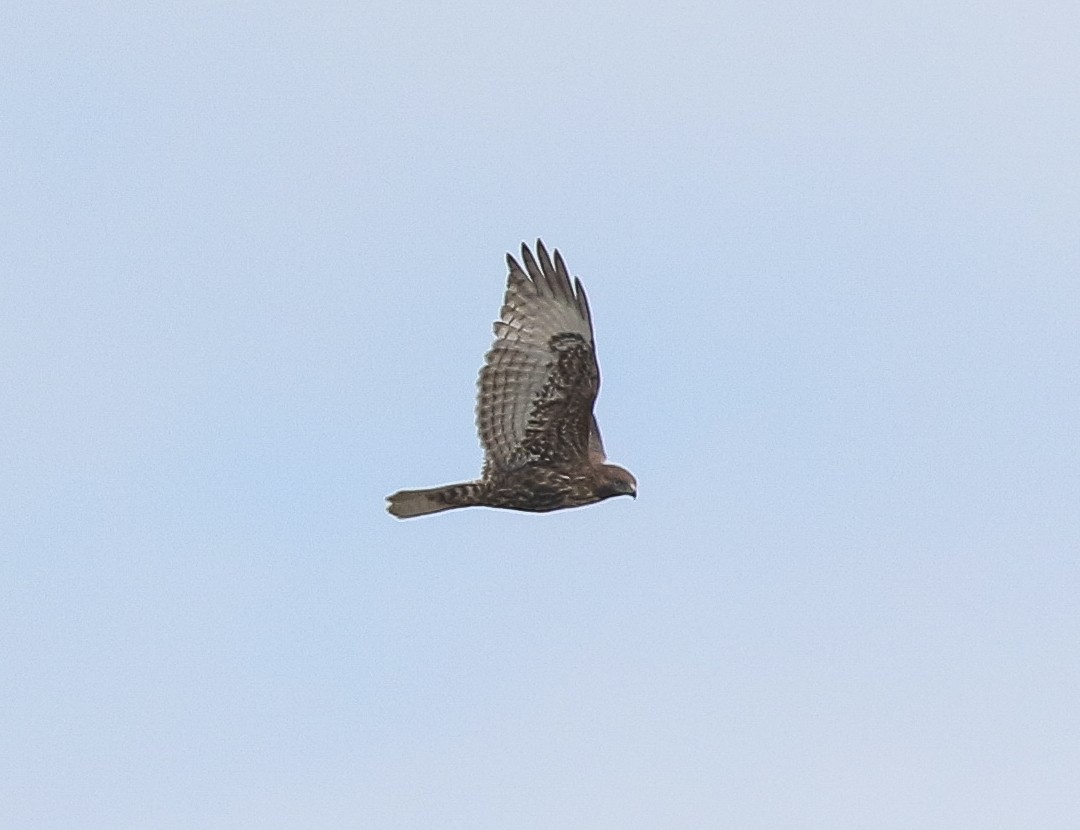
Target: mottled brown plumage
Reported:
[(534, 411)]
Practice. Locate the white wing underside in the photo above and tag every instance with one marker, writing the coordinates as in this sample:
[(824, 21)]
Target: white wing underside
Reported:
[(540, 303)]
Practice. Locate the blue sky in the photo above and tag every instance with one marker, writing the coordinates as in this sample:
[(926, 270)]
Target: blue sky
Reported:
[(250, 259)]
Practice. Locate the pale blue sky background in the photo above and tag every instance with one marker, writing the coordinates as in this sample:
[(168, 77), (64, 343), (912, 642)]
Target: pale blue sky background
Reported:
[(250, 260)]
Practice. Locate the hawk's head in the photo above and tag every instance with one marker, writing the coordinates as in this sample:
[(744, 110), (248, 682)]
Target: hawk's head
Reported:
[(615, 481)]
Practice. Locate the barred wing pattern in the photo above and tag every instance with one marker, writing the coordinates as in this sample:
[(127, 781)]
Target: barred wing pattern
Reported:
[(540, 378)]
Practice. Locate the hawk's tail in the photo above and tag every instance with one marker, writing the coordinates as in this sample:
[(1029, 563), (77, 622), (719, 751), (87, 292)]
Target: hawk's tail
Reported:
[(408, 503)]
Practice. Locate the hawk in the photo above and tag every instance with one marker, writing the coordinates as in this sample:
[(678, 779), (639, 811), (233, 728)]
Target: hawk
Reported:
[(534, 410)]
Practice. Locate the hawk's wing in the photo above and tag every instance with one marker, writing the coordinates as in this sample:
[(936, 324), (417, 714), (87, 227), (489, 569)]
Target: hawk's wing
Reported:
[(540, 379)]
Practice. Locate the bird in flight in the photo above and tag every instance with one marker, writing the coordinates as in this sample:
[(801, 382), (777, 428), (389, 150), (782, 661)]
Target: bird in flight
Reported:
[(534, 410)]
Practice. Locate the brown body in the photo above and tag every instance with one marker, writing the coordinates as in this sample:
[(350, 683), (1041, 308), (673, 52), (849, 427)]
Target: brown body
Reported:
[(534, 412)]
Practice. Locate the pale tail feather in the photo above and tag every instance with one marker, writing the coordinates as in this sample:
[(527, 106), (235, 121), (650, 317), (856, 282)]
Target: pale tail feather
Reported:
[(405, 504)]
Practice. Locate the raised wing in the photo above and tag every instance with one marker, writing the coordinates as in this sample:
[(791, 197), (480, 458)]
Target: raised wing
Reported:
[(540, 378)]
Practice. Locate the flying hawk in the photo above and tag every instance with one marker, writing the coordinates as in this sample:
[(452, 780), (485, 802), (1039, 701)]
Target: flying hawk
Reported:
[(534, 411)]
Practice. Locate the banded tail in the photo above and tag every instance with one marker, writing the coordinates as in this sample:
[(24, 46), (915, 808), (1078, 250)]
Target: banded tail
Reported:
[(405, 504)]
